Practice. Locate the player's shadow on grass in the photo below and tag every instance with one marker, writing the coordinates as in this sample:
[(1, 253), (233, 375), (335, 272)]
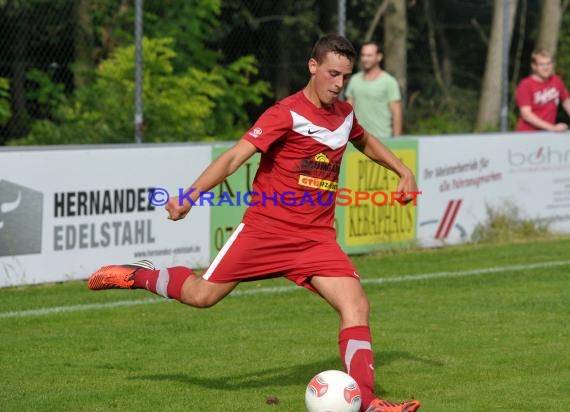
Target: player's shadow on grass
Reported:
[(293, 375)]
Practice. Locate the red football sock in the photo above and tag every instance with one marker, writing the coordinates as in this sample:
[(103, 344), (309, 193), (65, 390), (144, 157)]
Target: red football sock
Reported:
[(164, 282), (358, 359)]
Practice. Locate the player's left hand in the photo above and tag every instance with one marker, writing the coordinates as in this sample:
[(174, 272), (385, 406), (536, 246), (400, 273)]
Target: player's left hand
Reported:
[(409, 186)]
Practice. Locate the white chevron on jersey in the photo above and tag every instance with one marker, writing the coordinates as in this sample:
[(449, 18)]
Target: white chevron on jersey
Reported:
[(332, 138)]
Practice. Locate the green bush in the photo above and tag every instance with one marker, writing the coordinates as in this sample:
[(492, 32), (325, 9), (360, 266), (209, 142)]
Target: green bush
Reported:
[(433, 113), (5, 111), (194, 105), (47, 94), (504, 224)]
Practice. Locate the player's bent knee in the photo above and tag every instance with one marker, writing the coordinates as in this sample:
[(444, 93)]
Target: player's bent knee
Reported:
[(200, 297), (202, 294), (199, 300)]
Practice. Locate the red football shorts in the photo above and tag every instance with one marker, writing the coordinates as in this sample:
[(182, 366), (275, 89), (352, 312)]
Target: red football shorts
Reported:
[(250, 254)]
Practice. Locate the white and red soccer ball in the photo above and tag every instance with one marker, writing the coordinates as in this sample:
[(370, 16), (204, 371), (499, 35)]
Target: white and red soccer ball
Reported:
[(332, 391)]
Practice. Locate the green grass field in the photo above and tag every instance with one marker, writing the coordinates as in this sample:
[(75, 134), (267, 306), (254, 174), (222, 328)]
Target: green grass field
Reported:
[(473, 328)]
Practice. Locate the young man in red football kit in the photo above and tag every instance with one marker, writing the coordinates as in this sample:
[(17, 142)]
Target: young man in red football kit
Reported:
[(301, 139), (539, 95)]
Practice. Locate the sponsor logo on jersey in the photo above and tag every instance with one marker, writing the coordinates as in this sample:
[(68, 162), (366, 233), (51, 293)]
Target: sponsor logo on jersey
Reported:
[(255, 133), (321, 157), (547, 95), (319, 164), (315, 182)]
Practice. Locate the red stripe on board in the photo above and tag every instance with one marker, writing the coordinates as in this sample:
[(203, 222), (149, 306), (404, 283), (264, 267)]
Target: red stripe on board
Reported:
[(444, 220), (453, 216)]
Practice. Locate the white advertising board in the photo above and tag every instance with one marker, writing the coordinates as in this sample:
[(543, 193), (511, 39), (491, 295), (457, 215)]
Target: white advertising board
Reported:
[(66, 212), (460, 176)]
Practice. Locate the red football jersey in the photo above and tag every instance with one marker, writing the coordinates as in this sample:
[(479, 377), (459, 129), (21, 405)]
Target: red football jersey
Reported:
[(542, 97), (301, 151)]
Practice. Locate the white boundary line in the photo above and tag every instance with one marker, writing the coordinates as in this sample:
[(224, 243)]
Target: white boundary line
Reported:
[(283, 289)]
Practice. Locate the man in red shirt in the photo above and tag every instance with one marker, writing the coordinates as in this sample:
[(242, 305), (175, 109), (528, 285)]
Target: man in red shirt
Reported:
[(539, 95), (288, 229)]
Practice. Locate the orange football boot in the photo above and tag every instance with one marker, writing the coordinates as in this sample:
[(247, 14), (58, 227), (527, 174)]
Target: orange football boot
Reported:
[(116, 276), (382, 405)]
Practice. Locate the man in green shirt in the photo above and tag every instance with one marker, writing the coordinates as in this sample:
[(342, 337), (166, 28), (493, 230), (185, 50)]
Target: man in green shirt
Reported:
[(375, 95)]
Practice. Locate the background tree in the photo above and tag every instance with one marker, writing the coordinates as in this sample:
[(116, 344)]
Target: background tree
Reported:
[(328, 21), (490, 101), (54, 55), (563, 55), (34, 34), (549, 26), (83, 44), (396, 41), (441, 70), (280, 34)]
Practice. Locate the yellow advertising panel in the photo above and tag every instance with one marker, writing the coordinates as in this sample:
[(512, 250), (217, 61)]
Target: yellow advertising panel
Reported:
[(373, 215)]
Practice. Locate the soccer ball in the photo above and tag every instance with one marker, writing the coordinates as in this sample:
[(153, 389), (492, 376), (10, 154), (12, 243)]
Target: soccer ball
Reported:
[(332, 391)]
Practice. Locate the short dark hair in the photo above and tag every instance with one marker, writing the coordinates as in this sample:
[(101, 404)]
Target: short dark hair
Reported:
[(373, 43), (335, 44), (540, 52)]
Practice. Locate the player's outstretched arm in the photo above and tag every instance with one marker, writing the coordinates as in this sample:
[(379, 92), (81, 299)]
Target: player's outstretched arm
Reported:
[(212, 176), (379, 153)]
